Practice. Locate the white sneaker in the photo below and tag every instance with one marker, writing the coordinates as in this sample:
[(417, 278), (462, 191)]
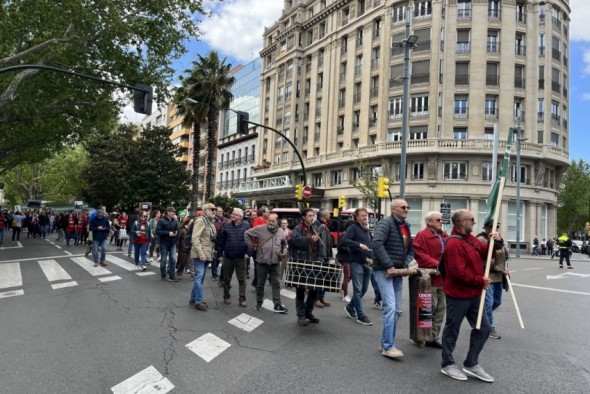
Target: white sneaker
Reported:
[(347, 299)]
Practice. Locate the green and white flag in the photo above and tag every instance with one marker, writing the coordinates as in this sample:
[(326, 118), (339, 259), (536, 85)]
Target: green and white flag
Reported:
[(494, 193)]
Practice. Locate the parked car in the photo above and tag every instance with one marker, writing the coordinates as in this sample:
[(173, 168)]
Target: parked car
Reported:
[(577, 245)]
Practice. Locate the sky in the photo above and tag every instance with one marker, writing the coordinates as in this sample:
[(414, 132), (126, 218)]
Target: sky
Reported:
[(235, 30)]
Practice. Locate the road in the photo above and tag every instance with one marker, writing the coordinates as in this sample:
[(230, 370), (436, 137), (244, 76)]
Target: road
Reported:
[(65, 329)]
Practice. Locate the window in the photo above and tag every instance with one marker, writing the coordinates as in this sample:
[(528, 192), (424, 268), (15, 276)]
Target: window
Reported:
[(419, 106), (462, 73), (492, 75), (490, 107), (358, 65), (336, 177), (422, 9), (395, 108), (376, 27), (320, 84), (345, 15), (462, 41), (555, 113), (460, 133), (488, 133), (356, 120), (417, 171), (355, 174), (523, 174), (394, 135), (420, 72), (418, 132), (359, 37), (494, 9), (519, 46), (455, 170), (464, 9), (461, 107), (344, 45), (360, 7), (493, 41), (486, 172), (398, 14), (343, 72), (317, 179), (519, 81), (554, 140)]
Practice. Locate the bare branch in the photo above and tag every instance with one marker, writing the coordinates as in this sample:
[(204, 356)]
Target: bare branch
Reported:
[(9, 93), (36, 48)]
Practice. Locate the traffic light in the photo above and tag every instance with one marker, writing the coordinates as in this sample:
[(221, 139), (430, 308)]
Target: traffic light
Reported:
[(243, 118), (299, 191), (382, 187), (143, 96), (341, 201)]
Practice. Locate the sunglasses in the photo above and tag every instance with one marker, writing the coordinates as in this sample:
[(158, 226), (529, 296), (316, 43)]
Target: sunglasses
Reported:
[(405, 208), (437, 220)]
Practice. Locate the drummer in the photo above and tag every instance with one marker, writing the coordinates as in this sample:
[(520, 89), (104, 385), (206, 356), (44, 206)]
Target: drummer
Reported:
[(306, 246)]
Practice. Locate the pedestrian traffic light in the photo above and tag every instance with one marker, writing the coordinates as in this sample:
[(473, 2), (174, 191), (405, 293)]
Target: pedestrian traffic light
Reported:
[(243, 118), (341, 201), (299, 191), (382, 187)]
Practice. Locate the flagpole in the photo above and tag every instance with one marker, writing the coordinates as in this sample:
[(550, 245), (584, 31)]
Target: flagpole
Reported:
[(511, 291), (490, 251)]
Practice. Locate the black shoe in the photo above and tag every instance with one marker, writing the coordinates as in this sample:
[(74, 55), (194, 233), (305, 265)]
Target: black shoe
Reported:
[(350, 312), (435, 344), (258, 306), (215, 277), (312, 319), (191, 302), (280, 309), (561, 266), (569, 267)]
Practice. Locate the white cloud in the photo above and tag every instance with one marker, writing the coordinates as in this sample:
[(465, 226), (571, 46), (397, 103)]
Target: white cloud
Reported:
[(586, 97), (586, 60), (579, 26), (235, 29)]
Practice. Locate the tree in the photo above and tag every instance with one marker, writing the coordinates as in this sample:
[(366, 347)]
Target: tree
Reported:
[(573, 199), (208, 86), (129, 41), (226, 202), (366, 183), (126, 167)]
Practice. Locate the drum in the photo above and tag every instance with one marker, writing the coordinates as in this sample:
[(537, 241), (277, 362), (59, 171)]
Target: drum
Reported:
[(315, 275)]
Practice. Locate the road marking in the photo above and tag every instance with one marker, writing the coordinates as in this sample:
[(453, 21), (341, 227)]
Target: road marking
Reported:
[(109, 278), (531, 269), (208, 346), (147, 381), (64, 284), (268, 304), (146, 273), (246, 322), (13, 293), (68, 253), (53, 271), (565, 274), (551, 289), (59, 247), (10, 276), (88, 266), (37, 258), (18, 245), (126, 265), (288, 293)]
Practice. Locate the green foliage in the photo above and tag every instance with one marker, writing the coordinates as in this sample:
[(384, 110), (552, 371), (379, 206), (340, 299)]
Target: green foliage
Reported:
[(573, 199), (130, 41), (226, 202), (126, 167), (365, 183)]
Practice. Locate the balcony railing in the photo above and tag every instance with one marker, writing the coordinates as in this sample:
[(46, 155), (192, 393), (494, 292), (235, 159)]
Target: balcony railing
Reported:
[(540, 117), (461, 79), (491, 113), (461, 113), (555, 119), (556, 54), (541, 84), (492, 80), (341, 103), (493, 47), (520, 17), (375, 63), (556, 86), (520, 50), (340, 130), (316, 137), (358, 70), (393, 82), (541, 51), (422, 46), (494, 14), (357, 98), (464, 13), (372, 122), (519, 82), (463, 47), (374, 92), (420, 78)]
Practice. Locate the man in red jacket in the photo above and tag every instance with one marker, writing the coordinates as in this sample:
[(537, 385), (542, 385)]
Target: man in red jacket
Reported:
[(463, 283), (429, 245)]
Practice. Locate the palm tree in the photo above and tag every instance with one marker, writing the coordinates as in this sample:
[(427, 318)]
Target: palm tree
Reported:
[(214, 83), (192, 112)]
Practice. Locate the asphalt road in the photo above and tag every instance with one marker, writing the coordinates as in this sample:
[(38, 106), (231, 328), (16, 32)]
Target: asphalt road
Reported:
[(93, 336)]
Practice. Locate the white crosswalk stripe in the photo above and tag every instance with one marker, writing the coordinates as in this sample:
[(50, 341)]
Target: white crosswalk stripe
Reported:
[(147, 381), (10, 276), (53, 271), (126, 265), (246, 322), (208, 346), (288, 293), (89, 267), (13, 293)]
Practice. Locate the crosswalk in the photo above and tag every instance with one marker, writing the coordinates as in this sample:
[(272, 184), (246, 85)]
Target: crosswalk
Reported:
[(59, 273)]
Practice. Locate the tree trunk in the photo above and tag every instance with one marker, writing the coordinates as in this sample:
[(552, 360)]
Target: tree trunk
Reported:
[(196, 160), (211, 146)]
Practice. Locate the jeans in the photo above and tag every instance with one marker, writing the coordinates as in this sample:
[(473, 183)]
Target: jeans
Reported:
[(1, 235), (493, 301), (457, 310), (264, 271), (439, 306), (103, 249), (239, 265), (391, 293), (200, 269), (378, 298), (141, 249), (44, 230), (535, 251), (168, 250), (69, 235), (214, 267), (360, 284)]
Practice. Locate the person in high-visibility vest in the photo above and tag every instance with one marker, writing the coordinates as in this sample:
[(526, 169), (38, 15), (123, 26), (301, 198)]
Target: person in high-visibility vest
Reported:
[(565, 243)]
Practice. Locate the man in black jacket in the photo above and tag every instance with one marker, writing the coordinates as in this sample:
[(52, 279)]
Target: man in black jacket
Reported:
[(99, 225), (393, 249), (232, 249), (167, 230)]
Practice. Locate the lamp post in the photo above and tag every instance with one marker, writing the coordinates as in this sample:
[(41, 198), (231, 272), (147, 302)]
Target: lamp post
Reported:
[(408, 43), (519, 139)]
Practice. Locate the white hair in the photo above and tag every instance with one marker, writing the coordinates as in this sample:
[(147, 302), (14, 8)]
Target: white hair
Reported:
[(239, 211), (429, 216)]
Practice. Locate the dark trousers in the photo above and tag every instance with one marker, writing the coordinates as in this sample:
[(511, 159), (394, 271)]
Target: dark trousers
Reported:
[(564, 254), (304, 307), (264, 271), (457, 310), (239, 265)]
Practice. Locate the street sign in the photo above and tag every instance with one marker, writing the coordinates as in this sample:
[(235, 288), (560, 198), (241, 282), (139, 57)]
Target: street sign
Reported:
[(241, 201), (445, 210), (306, 191)]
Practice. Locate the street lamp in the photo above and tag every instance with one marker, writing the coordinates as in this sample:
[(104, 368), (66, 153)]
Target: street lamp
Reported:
[(408, 43), (519, 139)]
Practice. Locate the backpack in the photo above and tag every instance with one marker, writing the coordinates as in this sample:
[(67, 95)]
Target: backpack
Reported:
[(187, 242), (441, 265)]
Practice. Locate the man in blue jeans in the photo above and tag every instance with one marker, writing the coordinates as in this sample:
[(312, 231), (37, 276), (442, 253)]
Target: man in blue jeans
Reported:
[(393, 249), (167, 230), (99, 225)]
